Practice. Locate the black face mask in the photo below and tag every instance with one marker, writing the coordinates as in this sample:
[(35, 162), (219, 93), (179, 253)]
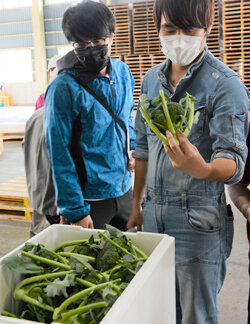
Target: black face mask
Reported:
[(93, 58)]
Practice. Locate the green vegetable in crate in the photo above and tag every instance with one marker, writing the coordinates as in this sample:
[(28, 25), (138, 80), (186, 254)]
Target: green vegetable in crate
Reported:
[(77, 286), (168, 115)]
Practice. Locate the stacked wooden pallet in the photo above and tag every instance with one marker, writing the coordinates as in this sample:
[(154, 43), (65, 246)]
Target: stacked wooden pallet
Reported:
[(236, 30), (14, 200), (213, 40), (133, 61), (139, 65), (11, 133), (145, 35), (122, 40), (1, 145)]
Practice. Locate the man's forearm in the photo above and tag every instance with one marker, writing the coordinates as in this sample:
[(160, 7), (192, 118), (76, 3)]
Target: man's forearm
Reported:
[(220, 169), (240, 196), (141, 167)]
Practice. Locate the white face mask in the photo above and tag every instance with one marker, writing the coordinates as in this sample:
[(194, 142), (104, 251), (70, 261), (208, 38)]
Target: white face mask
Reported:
[(181, 49)]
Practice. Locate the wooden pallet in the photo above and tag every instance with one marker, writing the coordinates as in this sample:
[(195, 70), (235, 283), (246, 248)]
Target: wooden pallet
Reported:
[(236, 27), (1, 145), (14, 198), (12, 133), (122, 40), (213, 40), (145, 34), (139, 65)]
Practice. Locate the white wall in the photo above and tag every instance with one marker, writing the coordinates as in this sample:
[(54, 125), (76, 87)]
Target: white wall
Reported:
[(24, 94)]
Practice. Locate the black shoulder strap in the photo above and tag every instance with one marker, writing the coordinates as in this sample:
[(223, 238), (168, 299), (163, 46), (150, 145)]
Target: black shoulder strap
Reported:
[(104, 104)]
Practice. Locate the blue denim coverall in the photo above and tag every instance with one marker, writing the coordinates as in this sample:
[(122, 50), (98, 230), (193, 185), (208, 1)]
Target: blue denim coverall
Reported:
[(194, 211)]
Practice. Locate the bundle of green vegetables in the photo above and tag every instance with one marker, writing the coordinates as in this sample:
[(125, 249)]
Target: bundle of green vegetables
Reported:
[(168, 115), (75, 286)]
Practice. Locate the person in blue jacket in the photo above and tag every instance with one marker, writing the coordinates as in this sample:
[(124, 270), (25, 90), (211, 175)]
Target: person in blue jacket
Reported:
[(184, 184), (87, 147)]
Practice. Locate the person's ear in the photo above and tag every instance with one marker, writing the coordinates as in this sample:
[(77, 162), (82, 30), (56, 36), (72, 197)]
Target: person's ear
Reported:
[(209, 28), (112, 35), (208, 31)]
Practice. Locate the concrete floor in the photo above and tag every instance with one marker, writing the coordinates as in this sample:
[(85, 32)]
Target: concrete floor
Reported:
[(234, 294)]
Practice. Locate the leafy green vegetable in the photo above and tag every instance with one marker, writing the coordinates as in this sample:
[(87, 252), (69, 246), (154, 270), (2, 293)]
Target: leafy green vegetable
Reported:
[(59, 287), (77, 286), (168, 115), (19, 265), (107, 258)]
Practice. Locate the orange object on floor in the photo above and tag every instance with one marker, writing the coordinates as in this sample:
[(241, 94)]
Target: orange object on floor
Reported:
[(11, 100), (7, 101)]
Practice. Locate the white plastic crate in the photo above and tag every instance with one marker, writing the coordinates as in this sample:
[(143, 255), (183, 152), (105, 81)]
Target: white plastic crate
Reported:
[(148, 299)]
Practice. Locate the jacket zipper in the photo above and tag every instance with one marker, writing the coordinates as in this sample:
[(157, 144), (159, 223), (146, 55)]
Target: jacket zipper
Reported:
[(117, 131)]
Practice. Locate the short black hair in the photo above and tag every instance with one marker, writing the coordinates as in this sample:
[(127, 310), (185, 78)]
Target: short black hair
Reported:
[(88, 20), (185, 14)]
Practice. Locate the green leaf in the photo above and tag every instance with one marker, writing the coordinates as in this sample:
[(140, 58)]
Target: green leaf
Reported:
[(28, 247), (76, 265), (91, 240), (113, 231), (105, 292), (127, 257), (144, 101), (19, 265), (28, 315), (138, 266), (58, 288), (196, 117)]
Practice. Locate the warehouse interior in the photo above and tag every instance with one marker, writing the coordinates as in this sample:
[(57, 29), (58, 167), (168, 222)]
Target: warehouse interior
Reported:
[(31, 34)]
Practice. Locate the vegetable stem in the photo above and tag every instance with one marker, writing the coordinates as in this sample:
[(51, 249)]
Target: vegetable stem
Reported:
[(21, 295), (186, 110), (191, 116), (41, 277), (70, 243), (83, 309), (85, 282), (168, 118), (139, 251), (56, 255), (116, 244), (58, 311), (153, 127), (8, 314), (46, 261), (69, 254)]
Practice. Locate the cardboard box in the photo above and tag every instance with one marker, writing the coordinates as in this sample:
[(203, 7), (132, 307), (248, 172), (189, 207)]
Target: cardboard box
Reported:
[(148, 299)]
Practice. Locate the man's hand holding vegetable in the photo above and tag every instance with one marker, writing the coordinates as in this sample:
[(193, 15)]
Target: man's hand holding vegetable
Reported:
[(186, 158)]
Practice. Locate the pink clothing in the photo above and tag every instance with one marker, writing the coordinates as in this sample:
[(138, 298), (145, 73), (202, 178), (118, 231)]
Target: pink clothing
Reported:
[(40, 102)]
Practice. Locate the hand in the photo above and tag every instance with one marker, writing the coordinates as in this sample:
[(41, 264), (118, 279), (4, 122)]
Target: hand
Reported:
[(131, 163), (186, 157), (248, 214), (135, 218), (63, 220), (86, 222)]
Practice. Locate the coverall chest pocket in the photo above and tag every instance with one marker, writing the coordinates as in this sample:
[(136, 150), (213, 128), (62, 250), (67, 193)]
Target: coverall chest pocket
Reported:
[(198, 126)]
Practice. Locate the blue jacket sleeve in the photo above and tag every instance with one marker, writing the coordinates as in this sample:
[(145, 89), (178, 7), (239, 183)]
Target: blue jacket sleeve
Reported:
[(229, 124), (58, 121), (130, 123)]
